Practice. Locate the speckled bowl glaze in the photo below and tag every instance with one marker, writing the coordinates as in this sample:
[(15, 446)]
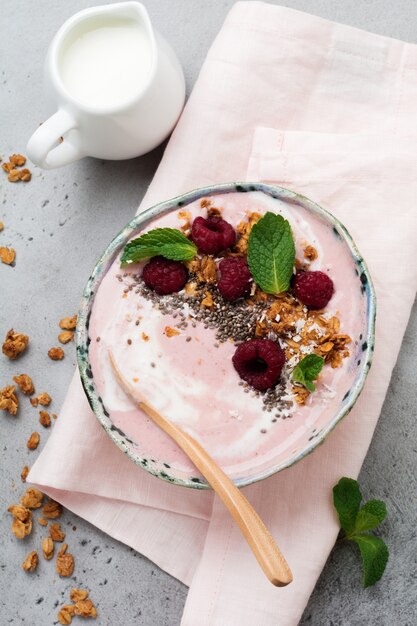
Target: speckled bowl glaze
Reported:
[(313, 437)]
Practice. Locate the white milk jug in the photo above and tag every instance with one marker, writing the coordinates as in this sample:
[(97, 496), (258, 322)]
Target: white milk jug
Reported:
[(118, 86)]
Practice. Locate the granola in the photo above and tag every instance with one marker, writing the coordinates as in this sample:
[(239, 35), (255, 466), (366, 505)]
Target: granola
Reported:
[(85, 608), (52, 509), (14, 344), (17, 159), (44, 419), (56, 354), (68, 323), (31, 562), (78, 594), (64, 562), (33, 441), (7, 255), (25, 384), (24, 473), (66, 336), (65, 614), (32, 499), (48, 548), (56, 533), (8, 400)]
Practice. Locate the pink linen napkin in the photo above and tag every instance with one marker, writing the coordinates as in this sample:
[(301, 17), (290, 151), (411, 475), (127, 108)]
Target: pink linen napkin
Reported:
[(325, 110)]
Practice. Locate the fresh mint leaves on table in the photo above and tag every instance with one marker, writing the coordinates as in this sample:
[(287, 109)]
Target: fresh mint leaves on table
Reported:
[(307, 370), (271, 253), (167, 242), (355, 520)]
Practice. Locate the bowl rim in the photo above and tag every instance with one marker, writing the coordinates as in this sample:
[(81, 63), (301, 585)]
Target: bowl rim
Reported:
[(139, 222)]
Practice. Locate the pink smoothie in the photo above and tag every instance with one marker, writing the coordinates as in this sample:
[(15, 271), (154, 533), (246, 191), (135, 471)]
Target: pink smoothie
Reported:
[(193, 382)]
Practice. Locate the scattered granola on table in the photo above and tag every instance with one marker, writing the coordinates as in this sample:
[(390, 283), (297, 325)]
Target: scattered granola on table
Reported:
[(25, 384), (7, 255), (13, 171), (56, 533), (14, 344), (65, 614), (33, 441), (32, 499), (66, 336), (56, 354), (47, 548), (82, 607), (44, 419), (8, 400), (52, 509), (44, 399), (22, 520), (31, 562), (1, 226), (24, 473), (68, 323), (64, 562)]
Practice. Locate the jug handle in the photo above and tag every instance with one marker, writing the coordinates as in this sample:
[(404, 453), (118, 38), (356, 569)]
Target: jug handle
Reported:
[(40, 147)]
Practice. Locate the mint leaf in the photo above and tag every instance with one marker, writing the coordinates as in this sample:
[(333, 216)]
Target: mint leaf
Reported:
[(374, 553), (271, 253), (347, 500), (307, 370), (167, 242), (371, 514)]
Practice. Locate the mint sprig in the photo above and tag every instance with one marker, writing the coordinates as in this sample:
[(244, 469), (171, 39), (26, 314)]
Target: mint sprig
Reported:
[(167, 242), (307, 370), (354, 520), (271, 253)]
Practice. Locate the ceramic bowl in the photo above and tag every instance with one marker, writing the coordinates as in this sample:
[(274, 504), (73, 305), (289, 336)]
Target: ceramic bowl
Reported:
[(312, 435)]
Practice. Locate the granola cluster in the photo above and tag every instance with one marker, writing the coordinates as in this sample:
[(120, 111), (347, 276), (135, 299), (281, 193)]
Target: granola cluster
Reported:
[(82, 606), (13, 168), (14, 344)]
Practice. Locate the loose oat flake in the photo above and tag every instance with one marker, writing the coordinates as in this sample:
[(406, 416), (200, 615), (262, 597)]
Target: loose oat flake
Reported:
[(56, 533), (33, 441), (48, 548), (85, 608), (66, 336), (68, 323), (65, 614), (31, 562), (64, 562), (78, 594), (24, 473)]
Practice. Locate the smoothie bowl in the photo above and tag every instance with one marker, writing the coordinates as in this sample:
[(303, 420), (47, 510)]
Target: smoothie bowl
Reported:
[(249, 323)]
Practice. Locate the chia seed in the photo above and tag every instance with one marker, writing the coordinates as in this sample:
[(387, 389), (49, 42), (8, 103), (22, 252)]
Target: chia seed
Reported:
[(231, 321)]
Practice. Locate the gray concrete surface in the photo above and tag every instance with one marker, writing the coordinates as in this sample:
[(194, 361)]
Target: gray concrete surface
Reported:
[(59, 223)]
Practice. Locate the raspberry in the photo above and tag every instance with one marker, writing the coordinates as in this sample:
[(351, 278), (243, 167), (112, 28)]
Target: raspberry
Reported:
[(314, 289), (235, 278), (212, 235), (259, 362), (164, 276)]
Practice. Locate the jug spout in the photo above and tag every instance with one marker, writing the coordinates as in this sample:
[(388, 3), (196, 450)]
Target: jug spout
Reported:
[(130, 10)]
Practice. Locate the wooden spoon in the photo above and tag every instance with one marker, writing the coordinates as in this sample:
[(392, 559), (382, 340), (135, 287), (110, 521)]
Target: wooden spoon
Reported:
[(252, 527)]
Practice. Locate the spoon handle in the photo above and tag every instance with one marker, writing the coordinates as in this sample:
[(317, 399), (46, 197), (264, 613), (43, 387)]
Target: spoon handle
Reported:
[(252, 527)]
